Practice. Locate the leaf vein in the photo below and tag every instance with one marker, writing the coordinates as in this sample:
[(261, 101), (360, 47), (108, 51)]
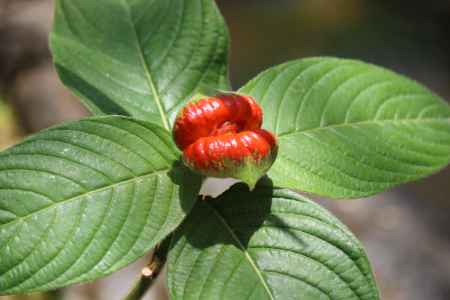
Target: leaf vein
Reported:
[(110, 186), (247, 255)]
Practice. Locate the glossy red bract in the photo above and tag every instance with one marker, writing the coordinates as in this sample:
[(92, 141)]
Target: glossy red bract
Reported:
[(221, 137)]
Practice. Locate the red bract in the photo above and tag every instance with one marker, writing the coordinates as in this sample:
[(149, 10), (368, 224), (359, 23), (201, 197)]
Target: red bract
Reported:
[(221, 137)]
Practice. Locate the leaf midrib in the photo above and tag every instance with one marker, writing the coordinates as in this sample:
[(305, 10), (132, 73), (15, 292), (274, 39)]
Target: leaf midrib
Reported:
[(74, 198), (150, 82), (368, 122), (247, 255)]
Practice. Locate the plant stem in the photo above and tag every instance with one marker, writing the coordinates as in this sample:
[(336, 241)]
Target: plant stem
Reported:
[(141, 287), (149, 273)]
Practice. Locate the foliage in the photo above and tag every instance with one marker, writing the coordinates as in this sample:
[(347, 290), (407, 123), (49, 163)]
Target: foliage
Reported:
[(83, 199)]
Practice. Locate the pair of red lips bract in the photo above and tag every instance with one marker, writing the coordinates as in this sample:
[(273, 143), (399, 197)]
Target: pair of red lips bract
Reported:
[(221, 136)]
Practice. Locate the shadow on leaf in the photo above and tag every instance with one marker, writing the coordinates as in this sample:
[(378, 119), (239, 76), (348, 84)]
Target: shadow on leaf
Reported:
[(86, 89), (233, 218), (188, 182)]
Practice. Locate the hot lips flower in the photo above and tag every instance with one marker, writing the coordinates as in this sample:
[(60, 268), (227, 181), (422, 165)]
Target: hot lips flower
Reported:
[(221, 136)]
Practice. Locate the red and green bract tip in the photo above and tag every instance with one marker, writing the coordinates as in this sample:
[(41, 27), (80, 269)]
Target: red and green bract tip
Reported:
[(221, 136)]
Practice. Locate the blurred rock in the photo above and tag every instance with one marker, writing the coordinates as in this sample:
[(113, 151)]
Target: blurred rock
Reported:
[(41, 100), (9, 131), (27, 76), (24, 26), (411, 260)]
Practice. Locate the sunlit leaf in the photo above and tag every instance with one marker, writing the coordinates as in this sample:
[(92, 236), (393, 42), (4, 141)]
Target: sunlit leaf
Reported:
[(266, 244), (350, 129), (84, 199), (143, 58)]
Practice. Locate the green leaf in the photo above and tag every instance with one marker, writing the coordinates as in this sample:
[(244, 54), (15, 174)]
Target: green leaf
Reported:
[(350, 129), (142, 58), (266, 244), (84, 199)]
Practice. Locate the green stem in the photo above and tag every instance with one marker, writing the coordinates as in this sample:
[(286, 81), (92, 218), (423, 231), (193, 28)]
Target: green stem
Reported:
[(140, 288), (150, 272)]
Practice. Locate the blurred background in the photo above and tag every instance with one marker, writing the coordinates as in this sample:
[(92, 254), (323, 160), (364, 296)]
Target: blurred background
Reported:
[(405, 231)]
